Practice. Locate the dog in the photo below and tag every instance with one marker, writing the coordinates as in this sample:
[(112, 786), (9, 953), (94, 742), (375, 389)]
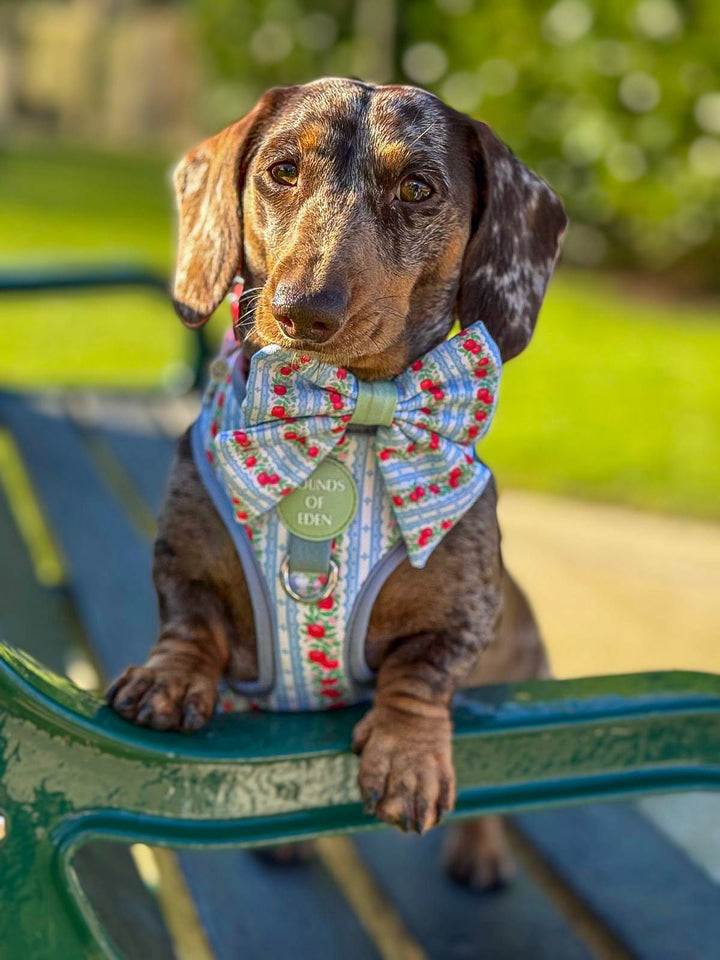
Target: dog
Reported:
[(366, 220)]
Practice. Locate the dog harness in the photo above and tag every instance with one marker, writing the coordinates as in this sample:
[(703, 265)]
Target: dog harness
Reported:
[(326, 483)]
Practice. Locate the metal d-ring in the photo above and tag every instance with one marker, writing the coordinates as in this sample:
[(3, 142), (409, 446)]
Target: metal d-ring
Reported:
[(332, 579)]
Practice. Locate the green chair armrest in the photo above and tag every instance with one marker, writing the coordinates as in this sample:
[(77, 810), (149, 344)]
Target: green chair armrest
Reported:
[(71, 770)]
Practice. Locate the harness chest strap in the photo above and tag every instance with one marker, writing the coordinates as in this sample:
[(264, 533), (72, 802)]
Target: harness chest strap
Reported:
[(312, 588), (333, 501), (317, 558)]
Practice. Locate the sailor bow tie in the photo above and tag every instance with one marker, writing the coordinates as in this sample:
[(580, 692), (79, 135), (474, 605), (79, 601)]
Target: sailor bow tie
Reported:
[(297, 410)]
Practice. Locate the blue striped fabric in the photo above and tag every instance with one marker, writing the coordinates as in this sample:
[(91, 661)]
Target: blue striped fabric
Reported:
[(296, 412)]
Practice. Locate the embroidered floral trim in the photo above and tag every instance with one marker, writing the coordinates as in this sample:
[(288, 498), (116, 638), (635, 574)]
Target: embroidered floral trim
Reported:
[(323, 644), (297, 410)]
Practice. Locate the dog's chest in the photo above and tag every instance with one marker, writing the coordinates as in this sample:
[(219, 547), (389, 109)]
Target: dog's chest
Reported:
[(314, 565)]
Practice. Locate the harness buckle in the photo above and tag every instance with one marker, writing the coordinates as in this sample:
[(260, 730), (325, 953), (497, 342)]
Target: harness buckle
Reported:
[(322, 594)]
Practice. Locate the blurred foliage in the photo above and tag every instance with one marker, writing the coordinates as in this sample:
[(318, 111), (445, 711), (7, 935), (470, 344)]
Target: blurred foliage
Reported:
[(617, 103)]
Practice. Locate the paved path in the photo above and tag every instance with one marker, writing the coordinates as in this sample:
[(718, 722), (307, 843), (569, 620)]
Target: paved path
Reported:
[(616, 590)]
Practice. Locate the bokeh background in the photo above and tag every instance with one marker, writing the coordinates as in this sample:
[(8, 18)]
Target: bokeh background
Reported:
[(607, 444)]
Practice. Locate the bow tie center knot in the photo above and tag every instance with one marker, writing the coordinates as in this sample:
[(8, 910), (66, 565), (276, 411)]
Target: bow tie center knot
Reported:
[(375, 404)]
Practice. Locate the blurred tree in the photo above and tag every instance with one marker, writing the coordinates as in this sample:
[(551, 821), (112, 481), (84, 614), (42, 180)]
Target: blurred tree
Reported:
[(254, 44), (617, 103)]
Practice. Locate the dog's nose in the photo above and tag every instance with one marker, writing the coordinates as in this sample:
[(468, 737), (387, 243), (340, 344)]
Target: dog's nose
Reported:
[(309, 316)]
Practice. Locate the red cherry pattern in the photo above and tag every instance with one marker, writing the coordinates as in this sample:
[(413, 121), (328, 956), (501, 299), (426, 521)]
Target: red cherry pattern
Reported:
[(431, 384)]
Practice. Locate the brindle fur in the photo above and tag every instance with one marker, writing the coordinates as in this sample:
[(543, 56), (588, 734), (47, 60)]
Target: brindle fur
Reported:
[(391, 278)]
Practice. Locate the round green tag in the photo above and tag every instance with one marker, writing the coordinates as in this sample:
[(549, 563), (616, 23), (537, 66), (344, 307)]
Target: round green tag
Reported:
[(324, 505)]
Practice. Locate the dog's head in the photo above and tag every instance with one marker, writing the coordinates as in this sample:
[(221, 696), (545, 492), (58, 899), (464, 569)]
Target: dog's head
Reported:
[(365, 220)]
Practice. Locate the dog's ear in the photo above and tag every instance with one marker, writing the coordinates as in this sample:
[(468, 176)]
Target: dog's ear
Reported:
[(517, 226), (208, 187)]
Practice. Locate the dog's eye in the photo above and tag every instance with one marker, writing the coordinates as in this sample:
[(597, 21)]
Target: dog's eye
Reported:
[(414, 190), (285, 173)]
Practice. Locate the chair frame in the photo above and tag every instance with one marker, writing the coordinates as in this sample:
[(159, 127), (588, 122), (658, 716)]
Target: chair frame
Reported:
[(72, 771)]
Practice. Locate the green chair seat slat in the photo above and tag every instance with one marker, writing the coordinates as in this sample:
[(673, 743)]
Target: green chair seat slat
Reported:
[(37, 618), (127, 910), (111, 277), (518, 923), (145, 459), (296, 910), (643, 887), (108, 564), (73, 277)]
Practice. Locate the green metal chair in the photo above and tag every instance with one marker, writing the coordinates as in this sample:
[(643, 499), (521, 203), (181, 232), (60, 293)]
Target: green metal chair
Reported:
[(71, 771)]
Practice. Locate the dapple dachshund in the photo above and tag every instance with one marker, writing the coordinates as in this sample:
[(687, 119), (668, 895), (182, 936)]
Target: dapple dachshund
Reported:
[(366, 220)]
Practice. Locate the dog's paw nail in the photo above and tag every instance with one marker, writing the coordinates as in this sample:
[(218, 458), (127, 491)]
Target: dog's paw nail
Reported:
[(144, 716), (192, 718), (405, 823), (371, 801), (112, 690)]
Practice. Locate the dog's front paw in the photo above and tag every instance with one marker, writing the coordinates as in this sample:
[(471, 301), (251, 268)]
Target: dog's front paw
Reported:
[(406, 774), (164, 698)]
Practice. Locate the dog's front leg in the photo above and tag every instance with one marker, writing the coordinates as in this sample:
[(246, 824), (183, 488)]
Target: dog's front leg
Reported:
[(176, 689), (406, 771), (198, 576)]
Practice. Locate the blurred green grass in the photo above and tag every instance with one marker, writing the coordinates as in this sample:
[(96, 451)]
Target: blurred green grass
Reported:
[(617, 399), (64, 206)]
